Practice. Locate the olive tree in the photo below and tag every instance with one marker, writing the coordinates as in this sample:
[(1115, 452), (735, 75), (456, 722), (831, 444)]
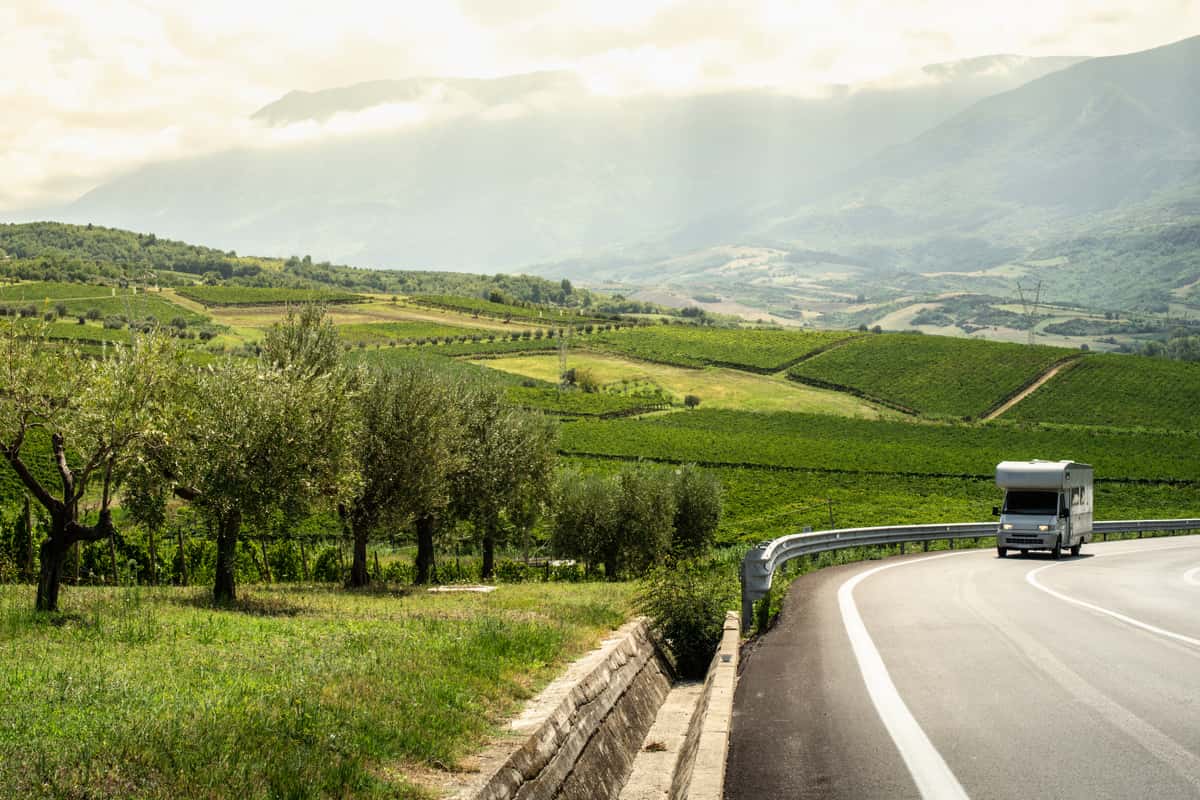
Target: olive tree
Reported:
[(97, 415), (257, 437), (407, 450), (509, 464), (697, 510)]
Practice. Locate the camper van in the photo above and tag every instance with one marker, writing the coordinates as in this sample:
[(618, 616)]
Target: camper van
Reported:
[(1047, 506)]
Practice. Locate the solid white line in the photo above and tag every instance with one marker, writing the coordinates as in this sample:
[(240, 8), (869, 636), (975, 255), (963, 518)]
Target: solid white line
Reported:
[(926, 765), (1031, 579), (1192, 576)]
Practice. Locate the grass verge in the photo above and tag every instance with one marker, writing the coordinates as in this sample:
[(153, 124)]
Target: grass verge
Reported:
[(299, 692)]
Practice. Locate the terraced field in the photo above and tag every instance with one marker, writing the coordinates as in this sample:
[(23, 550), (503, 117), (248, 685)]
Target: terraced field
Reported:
[(1121, 391), (757, 350), (932, 375)]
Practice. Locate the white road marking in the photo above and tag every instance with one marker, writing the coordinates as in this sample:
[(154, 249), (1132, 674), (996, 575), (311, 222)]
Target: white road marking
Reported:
[(926, 765), (1192, 576), (1031, 579)]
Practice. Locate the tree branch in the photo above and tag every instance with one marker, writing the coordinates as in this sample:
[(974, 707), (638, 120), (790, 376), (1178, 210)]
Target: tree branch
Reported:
[(91, 533), (31, 483), (60, 459), (185, 493)]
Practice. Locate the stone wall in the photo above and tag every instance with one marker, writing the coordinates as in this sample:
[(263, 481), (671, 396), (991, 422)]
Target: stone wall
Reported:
[(578, 738)]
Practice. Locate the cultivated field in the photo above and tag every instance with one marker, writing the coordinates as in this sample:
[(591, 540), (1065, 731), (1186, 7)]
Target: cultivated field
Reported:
[(716, 388), (931, 375)]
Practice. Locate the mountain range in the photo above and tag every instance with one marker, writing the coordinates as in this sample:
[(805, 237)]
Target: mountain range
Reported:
[(973, 168)]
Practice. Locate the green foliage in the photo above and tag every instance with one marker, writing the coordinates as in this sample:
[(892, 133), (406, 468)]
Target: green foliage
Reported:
[(933, 375), (686, 603), (249, 296), (1121, 391), (697, 510), (765, 350), (328, 567)]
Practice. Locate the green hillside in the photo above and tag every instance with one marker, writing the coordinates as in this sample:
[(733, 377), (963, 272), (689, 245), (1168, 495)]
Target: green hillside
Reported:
[(931, 375), (768, 350), (1121, 391), (824, 442)]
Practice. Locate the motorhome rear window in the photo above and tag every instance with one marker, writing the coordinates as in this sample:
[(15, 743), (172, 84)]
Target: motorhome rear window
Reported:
[(1031, 502)]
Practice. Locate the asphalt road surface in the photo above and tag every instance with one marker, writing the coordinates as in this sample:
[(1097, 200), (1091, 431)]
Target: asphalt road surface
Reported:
[(965, 675)]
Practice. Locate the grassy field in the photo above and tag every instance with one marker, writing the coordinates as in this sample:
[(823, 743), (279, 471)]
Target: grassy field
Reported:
[(716, 388), (301, 692), (933, 375), (687, 346), (1121, 391)]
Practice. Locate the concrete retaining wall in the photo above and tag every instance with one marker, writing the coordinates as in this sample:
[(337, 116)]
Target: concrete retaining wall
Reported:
[(683, 757), (578, 738), (705, 778)]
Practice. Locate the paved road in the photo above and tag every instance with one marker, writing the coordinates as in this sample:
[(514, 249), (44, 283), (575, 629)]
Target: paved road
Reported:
[(965, 675)]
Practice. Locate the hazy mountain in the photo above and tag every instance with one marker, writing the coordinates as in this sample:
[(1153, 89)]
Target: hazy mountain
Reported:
[(509, 172), (1103, 150)]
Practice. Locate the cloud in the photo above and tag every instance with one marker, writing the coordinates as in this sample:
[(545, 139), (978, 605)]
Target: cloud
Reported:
[(89, 91)]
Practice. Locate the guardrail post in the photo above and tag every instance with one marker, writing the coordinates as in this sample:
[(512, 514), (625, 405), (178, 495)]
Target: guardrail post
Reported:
[(925, 545), (756, 582), (902, 544)]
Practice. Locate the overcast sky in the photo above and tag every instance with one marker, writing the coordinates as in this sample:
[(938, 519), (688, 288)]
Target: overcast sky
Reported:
[(91, 88)]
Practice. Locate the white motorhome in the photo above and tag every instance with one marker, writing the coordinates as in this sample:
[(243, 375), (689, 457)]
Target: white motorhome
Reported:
[(1047, 506)]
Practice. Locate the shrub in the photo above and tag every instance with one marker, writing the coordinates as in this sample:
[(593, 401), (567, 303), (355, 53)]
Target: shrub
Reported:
[(60, 309), (179, 323), (691, 401), (686, 604), (328, 566), (93, 314)]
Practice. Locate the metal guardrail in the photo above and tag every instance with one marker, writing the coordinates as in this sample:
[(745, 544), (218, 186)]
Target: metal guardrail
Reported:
[(760, 563)]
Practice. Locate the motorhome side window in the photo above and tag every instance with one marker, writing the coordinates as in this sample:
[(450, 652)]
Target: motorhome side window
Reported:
[(1027, 502)]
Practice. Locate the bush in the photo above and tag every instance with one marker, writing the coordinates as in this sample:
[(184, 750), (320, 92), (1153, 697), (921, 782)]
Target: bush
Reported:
[(686, 604), (691, 401), (328, 566), (93, 314)]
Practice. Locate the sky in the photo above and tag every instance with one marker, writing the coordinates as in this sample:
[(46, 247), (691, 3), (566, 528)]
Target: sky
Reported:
[(89, 90)]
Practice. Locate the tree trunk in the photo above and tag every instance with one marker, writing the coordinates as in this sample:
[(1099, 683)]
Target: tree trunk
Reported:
[(224, 587), (303, 560), (359, 575), (53, 554), (266, 561), (183, 576), (425, 528), (27, 545), (153, 560), (112, 554), (489, 551)]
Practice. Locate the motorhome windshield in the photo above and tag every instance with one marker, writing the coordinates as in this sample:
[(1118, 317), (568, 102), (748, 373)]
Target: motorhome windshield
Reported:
[(1024, 502)]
